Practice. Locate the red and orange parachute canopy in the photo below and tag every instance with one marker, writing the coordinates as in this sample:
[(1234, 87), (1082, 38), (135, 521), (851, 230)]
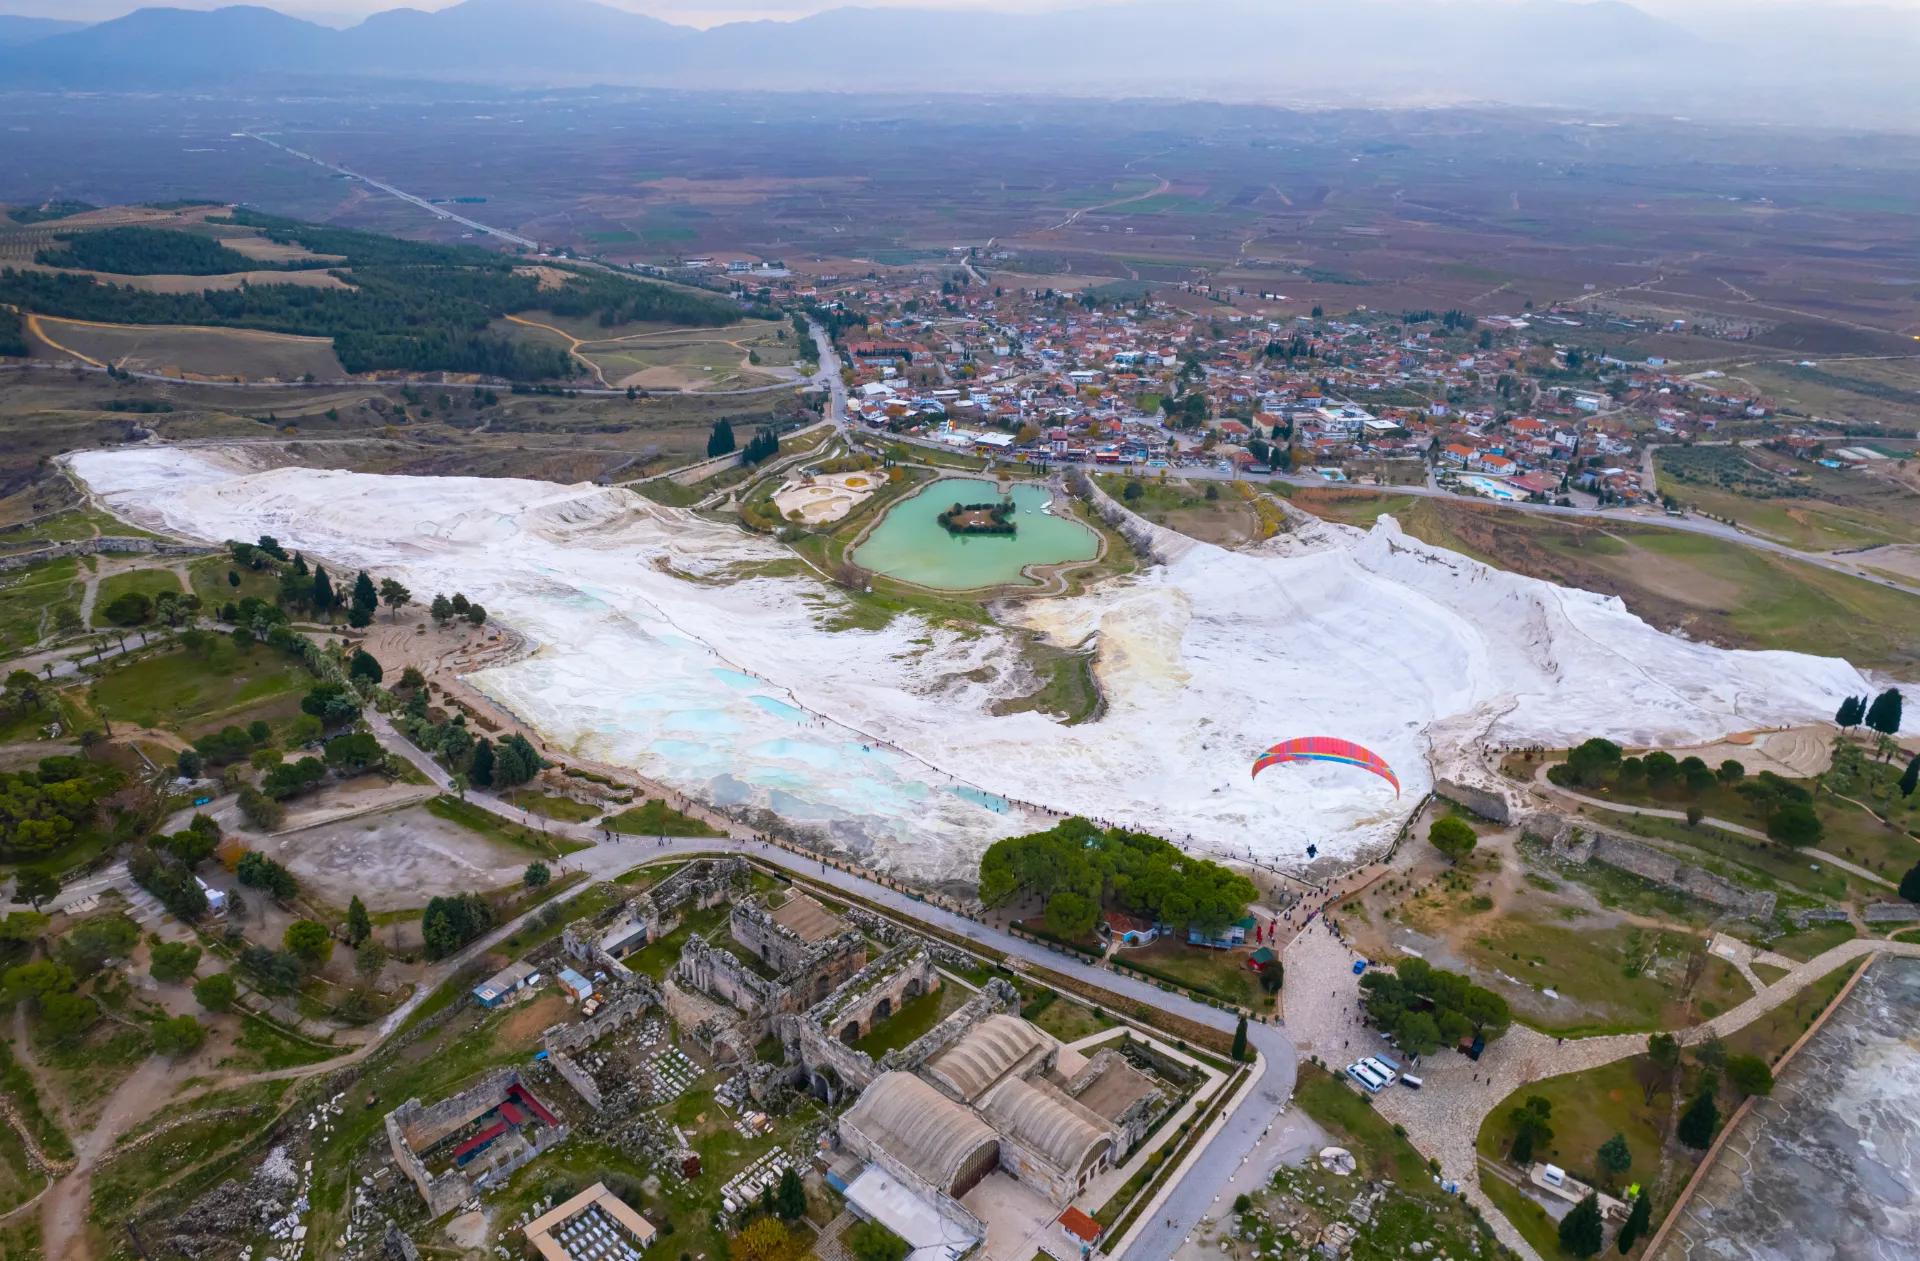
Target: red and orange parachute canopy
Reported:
[(1327, 749)]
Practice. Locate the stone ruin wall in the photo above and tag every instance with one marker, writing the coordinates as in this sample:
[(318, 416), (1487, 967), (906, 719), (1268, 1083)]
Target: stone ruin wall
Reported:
[(1580, 843)]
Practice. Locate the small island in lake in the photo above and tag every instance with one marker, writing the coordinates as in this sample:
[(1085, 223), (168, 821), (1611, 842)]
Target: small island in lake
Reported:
[(989, 518)]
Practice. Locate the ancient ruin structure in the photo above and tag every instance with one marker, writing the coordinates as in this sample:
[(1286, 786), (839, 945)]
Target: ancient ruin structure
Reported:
[(459, 1146)]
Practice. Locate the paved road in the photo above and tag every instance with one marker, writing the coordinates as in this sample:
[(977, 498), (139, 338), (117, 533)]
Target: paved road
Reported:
[(1192, 1197), (1625, 516), (442, 212)]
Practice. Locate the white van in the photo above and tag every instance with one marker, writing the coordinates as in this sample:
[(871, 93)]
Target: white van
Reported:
[(1386, 1075), (1410, 1081), (1369, 1080)]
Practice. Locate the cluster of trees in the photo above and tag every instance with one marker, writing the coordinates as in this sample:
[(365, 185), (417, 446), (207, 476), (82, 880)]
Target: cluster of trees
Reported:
[(135, 251), (257, 871), (164, 867), (1426, 1008), (1785, 807), (451, 922), (13, 333), (411, 306), (44, 810), (1076, 868), (1881, 714), (445, 609)]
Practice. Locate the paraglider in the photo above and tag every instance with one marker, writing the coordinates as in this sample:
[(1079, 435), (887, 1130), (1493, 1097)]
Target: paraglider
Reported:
[(1327, 749)]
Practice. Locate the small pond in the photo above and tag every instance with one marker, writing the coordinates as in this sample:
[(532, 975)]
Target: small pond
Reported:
[(910, 544)]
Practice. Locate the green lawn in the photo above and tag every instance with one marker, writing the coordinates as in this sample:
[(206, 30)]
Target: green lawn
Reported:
[(209, 576), (657, 958), (1813, 941), (1589, 1108), (1771, 1035), (29, 597), (565, 809), (1070, 1021), (264, 1045), (656, 818), (151, 583), (1613, 980), (490, 825), (911, 1020), (186, 692), (1221, 973)]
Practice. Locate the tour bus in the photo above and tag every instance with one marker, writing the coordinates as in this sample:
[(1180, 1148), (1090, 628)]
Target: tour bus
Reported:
[(1386, 1074)]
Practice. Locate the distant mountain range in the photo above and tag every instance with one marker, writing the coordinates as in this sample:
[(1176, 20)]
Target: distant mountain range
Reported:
[(1813, 63)]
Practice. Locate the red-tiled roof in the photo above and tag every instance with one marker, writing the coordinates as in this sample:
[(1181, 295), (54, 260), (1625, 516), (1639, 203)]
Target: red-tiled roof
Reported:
[(1080, 1226)]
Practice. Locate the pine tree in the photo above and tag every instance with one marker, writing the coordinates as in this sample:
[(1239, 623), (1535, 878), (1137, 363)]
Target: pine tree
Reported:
[(1581, 1231), (441, 609), (1884, 714), (1240, 1040), (1615, 1156), (480, 770), (790, 1201), (1850, 712), (364, 596), (1639, 1217), (720, 441), (359, 926), (1699, 1121), (323, 597)]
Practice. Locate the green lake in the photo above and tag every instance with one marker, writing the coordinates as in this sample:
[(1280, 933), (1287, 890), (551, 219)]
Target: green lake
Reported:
[(911, 545)]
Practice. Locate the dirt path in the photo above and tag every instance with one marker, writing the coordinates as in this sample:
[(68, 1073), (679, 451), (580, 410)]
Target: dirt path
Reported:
[(1552, 789), (63, 1211), (573, 345)]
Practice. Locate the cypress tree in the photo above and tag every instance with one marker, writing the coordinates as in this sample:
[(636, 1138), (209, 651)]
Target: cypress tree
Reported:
[(323, 597), (1581, 1231), (364, 596), (359, 926), (1884, 714), (1240, 1039), (1851, 710), (1639, 1218), (1911, 780), (1699, 1121), (480, 771)]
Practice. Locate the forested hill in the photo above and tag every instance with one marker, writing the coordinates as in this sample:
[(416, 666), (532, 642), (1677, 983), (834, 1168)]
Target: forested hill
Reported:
[(409, 306)]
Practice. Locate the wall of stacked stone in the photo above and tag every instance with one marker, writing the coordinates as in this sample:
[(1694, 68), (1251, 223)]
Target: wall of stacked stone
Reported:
[(105, 543), (1486, 802), (1579, 844), (889, 933), (632, 1001), (577, 1077), (718, 972), (1891, 913)]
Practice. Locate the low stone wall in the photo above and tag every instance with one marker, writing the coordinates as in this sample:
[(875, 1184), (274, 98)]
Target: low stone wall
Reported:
[(112, 543), (1580, 843), (1891, 913)]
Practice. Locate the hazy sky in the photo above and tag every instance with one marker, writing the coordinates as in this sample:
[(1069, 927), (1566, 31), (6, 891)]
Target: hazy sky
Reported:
[(713, 12)]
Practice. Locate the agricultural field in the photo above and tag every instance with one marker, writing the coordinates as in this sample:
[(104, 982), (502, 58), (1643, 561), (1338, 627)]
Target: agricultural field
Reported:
[(656, 358), (1802, 505), (213, 354)]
